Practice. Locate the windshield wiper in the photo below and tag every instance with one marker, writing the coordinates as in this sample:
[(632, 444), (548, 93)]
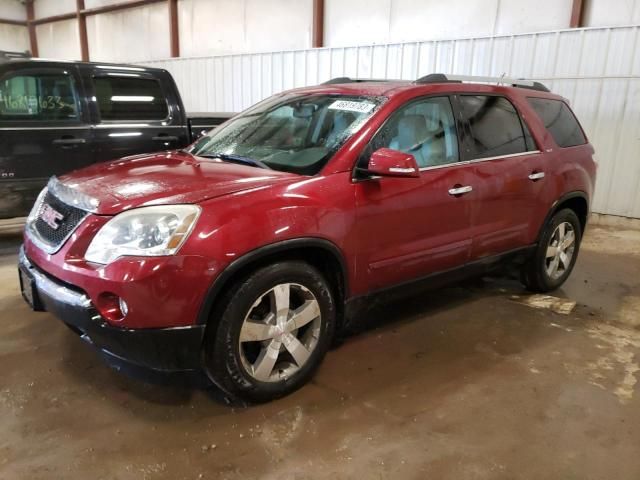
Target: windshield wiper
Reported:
[(227, 157)]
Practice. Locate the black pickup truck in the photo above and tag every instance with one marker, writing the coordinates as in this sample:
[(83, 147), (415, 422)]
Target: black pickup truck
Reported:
[(56, 116)]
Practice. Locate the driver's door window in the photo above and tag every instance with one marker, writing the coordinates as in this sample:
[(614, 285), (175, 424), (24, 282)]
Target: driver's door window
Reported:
[(38, 96), (425, 128)]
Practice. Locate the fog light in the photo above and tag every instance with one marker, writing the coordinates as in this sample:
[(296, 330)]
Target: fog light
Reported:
[(111, 307), (124, 308)]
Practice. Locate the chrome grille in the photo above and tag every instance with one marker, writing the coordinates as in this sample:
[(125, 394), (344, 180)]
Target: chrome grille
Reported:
[(71, 217)]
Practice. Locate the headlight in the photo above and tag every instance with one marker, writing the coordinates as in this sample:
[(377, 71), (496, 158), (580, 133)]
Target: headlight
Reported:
[(147, 231)]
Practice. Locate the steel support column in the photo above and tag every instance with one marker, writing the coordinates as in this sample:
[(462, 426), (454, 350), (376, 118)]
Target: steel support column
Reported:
[(33, 39), (577, 14), (82, 31), (173, 28), (317, 40)]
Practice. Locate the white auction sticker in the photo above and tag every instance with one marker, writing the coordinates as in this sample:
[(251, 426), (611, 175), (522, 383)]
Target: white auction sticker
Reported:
[(361, 107)]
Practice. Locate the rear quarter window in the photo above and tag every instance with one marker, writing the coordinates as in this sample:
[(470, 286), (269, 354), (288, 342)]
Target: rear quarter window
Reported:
[(560, 121)]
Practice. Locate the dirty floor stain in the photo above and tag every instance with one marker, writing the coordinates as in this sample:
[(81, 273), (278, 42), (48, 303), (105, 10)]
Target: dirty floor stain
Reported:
[(460, 383), (621, 348)]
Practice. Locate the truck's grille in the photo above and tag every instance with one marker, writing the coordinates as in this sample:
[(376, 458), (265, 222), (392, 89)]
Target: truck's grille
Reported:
[(55, 221)]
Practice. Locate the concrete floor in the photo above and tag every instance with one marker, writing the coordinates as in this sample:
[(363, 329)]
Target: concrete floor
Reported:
[(461, 383)]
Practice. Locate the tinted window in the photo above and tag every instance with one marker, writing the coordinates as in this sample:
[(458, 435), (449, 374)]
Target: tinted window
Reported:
[(426, 129), (560, 121), (528, 138), (125, 98), (495, 126), (42, 97)]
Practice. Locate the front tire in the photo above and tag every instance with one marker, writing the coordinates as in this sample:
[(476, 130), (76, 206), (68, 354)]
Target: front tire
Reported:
[(555, 256), (275, 327)]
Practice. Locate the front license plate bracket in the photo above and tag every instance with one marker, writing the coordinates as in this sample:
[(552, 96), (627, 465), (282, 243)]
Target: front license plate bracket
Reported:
[(29, 289)]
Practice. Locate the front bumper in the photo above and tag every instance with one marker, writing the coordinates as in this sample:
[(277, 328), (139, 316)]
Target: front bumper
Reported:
[(161, 349)]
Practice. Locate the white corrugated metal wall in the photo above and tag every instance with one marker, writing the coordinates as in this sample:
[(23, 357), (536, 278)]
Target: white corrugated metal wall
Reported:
[(597, 69)]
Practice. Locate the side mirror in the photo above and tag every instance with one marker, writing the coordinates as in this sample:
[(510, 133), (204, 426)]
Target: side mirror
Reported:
[(386, 162)]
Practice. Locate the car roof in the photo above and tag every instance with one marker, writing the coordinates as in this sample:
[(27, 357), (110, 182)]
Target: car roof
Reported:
[(372, 88), (18, 61), (440, 84)]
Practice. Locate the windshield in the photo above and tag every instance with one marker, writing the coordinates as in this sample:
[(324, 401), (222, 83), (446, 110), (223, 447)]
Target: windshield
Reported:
[(291, 132)]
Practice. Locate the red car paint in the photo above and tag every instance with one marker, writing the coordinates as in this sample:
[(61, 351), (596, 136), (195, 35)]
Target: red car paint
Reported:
[(388, 231)]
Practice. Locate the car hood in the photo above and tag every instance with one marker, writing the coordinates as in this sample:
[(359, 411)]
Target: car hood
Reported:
[(165, 178)]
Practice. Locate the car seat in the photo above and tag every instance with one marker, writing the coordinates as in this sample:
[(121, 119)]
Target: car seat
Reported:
[(423, 138), (412, 133)]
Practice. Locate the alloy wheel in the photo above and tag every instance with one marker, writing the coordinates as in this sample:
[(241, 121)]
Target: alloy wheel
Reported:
[(560, 250), (280, 332)]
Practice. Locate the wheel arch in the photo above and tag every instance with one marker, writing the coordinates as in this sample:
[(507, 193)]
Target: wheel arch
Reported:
[(576, 201), (320, 253)]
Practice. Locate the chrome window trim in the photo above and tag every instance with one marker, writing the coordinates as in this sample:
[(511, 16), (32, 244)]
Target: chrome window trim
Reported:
[(478, 160), (97, 126), (102, 126), (51, 288), (79, 127)]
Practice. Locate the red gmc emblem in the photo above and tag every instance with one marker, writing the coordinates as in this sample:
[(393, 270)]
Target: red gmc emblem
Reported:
[(50, 216)]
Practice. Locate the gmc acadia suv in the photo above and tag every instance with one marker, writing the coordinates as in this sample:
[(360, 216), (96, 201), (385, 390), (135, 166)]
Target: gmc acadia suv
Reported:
[(243, 254)]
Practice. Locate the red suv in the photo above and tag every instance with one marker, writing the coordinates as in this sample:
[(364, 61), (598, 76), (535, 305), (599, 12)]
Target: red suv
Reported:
[(243, 254)]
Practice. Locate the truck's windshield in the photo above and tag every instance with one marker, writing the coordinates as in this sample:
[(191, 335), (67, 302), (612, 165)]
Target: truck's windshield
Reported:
[(292, 132)]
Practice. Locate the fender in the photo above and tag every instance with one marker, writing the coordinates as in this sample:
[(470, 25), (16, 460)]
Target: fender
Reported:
[(254, 255), (559, 201)]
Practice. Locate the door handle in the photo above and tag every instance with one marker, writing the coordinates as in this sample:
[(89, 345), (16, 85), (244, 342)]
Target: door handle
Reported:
[(165, 138), (69, 141), (459, 190), (536, 176)]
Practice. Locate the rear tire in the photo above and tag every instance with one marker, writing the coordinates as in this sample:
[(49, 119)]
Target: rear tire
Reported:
[(274, 328), (556, 253)]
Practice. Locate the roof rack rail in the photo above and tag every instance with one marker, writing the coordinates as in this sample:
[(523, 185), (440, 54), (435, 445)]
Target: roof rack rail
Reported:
[(516, 82), (7, 55), (336, 80), (434, 78)]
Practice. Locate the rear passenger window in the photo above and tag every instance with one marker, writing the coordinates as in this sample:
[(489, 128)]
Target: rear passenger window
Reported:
[(496, 128), (125, 98), (560, 121), (38, 97)]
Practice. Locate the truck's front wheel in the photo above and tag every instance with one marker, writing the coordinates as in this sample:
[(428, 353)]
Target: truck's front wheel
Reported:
[(276, 326)]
